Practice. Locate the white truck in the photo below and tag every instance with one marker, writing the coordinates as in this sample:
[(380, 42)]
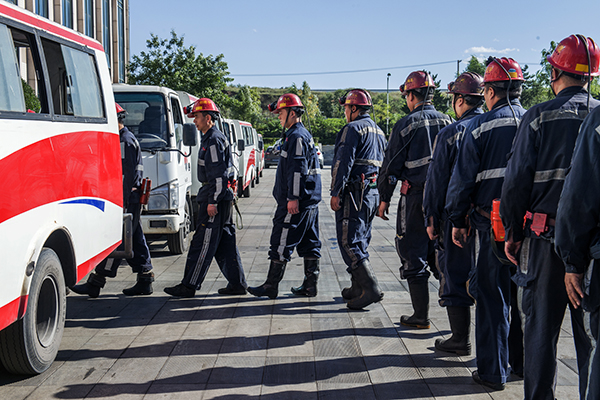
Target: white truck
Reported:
[(155, 116)]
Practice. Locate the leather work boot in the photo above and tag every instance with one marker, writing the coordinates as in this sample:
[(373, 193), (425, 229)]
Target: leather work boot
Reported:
[(180, 291), (271, 286), (419, 296), (232, 291), (311, 275), (491, 385), (92, 287), (460, 324), (370, 291), (353, 291), (143, 286)]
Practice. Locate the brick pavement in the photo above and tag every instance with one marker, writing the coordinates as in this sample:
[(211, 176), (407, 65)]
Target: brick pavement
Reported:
[(242, 347)]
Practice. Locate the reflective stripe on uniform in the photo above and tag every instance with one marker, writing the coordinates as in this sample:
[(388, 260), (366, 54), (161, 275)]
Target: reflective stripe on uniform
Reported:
[(139, 167), (343, 137), (417, 163), (362, 161), (122, 150), (558, 174), (205, 246), (555, 115), (283, 154), (219, 187), (345, 231), (314, 172), (201, 162), (423, 123), (490, 174), (299, 149), (283, 237), (296, 185), (493, 124), (370, 129), (213, 153)]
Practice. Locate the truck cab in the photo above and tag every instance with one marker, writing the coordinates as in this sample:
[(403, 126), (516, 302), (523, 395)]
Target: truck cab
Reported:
[(155, 116)]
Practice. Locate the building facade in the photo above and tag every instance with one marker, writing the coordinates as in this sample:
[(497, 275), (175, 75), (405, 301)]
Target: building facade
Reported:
[(107, 21)]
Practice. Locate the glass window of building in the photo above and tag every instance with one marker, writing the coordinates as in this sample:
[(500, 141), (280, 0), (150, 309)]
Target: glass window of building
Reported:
[(88, 10), (67, 13), (121, 41), (106, 29), (41, 8)]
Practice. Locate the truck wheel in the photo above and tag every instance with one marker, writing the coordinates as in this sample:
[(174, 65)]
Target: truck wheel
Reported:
[(240, 187), (29, 345), (179, 242), (253, 182), (258, 175)]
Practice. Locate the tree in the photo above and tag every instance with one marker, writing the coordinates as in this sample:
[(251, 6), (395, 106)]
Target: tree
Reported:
[(169, 63), (246, 105), (475, 66)]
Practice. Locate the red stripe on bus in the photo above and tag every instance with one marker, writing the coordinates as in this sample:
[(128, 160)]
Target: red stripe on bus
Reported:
[(87, 266), (9, 313), (78, 164), (55, 29)]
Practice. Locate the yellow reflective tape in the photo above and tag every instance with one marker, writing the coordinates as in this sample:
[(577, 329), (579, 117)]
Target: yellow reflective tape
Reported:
[(581, 68)]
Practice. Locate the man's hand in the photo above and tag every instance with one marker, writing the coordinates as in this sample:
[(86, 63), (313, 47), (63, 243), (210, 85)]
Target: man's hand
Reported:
[(335, 203), (431, 231), (293, 207), (383, 209), (459, 236), (574, 285), (511, 249), (211, 210)]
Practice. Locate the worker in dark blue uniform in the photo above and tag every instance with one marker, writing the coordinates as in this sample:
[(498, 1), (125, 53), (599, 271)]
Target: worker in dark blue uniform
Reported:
[(297, 191), (406, 159), (578, 244), (132, 167), (358, 154), (215, 230), (534, 180), (455, 263), (477, 180)]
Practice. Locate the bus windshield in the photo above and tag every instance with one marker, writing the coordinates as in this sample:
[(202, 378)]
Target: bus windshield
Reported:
[(146, 118)]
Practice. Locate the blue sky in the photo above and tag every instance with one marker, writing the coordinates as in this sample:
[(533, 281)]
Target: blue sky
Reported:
[(311, 36)]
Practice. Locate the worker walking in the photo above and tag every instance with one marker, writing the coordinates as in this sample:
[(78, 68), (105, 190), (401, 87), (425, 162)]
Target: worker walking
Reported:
[(297, 192), (534, 179), (406, 159), (358, 154)]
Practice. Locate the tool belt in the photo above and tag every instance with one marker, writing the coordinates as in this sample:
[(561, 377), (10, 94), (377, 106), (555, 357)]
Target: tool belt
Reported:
[(538, 223)]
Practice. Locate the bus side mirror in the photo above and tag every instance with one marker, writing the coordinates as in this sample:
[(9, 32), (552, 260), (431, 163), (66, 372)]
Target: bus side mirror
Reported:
[(189, 135), (241, 145)]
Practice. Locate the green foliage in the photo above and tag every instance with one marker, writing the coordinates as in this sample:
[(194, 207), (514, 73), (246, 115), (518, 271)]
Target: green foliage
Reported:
[(245, 105), (169, 63), (475, 66), (31, 100), (325, 130)]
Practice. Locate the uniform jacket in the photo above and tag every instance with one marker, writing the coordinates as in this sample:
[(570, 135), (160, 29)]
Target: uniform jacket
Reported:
[(541, 154), (359, 149), (298, 174), (409, 150), (213, 167), (445, 151), (131, 163), (578, 216), (479, 170)]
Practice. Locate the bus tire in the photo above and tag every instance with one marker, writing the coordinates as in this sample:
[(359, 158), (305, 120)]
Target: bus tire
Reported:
[(180, 241), (30, 345), (247, 190), (258, 175), (240, 187)]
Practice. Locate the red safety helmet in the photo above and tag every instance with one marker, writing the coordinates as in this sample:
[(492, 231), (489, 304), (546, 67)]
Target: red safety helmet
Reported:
[(356, 97), (416, 80), (502, 69), (121, 112), (199, 105), (570, 55), (285, 101), (467, 83)]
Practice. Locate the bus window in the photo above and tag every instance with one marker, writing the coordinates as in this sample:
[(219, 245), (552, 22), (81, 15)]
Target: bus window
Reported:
[(177, 119), (74, 81), (11, 89)]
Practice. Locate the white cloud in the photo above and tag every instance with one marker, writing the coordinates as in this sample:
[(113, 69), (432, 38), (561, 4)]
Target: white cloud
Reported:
[(488, 50)]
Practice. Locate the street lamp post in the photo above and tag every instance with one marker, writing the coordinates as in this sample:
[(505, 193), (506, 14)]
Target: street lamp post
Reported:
[(387, 114)]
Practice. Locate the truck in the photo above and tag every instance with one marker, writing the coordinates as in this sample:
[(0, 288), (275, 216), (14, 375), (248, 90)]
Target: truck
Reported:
[(247, 145), (61, 211), (155, 116)]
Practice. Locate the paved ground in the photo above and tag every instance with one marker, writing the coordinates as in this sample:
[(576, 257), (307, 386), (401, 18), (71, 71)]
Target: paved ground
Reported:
[(242, 347)]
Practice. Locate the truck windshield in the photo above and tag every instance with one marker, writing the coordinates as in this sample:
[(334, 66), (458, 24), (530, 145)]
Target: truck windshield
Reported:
[(146, 118)]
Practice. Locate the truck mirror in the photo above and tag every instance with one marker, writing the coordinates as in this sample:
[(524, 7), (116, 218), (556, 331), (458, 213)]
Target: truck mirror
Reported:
[(261, 145), (241, 145), (189, 134)]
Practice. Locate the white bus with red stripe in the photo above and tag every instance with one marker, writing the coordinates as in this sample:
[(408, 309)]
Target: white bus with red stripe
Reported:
[(61, 201), (247, 140)]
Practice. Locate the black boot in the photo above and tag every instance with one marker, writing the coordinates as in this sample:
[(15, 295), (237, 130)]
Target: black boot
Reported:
[(419, 296), (311, 275), (271, 286), (180, 291), (353, 291), (92, 287), (370, 291), (142, 286), (460, 324)]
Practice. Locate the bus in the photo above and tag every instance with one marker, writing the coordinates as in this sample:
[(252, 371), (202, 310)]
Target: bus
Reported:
[(61, 194)]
